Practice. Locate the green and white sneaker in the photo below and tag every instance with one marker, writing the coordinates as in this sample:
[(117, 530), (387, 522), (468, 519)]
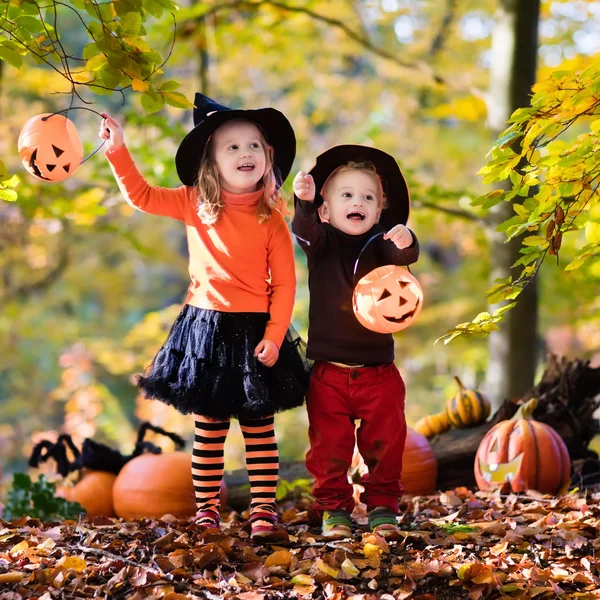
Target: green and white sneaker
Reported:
[(337, 524), (383, 521)]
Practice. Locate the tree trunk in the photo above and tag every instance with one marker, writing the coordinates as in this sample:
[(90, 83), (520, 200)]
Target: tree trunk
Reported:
[(512, 349)]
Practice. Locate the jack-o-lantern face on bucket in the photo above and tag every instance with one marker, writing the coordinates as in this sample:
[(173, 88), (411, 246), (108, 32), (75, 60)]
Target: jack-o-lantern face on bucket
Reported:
[(522, 454), (387, 299), (50, 147)]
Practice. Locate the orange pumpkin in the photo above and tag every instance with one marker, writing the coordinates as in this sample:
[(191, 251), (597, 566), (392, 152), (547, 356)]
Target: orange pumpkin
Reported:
[(387, 299), (50, 147), (419, 465), (521, 454), (153, 485), (431, 425), (93, 491)]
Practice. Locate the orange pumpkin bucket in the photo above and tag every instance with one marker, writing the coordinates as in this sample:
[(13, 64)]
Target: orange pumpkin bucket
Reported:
[(50, 147), (388, 299)]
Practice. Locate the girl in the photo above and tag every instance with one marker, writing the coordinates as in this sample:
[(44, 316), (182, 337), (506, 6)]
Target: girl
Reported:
[(229, 352)]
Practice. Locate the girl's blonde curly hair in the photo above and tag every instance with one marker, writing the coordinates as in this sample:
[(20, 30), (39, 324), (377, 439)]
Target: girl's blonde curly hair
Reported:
[(208, 188)]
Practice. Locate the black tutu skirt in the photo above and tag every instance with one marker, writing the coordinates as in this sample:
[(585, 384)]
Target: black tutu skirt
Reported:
[(207, 366)]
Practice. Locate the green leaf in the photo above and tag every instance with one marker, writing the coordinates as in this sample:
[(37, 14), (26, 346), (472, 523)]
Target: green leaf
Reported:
[(10, 56), (592, 232), (177, 100), (96, 63), (90, 51), (152, 101), (30, 24), (131, 23), (169, 86), (534, 240), (37, 499), (500, 311), (154, 8), (8, 195)]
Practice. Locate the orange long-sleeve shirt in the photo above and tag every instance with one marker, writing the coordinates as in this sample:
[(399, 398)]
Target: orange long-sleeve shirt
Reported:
[(236, 265)]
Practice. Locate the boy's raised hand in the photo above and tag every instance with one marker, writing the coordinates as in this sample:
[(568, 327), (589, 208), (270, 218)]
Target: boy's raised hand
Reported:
[(304, 187), (400, 235), (111, 131)]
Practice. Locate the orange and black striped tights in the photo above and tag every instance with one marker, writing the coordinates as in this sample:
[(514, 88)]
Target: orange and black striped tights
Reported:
[(262, 461)]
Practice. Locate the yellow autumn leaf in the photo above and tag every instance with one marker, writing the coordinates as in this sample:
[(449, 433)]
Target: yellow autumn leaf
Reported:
[(372, 551), (20, 547), (323, 566), (11, 577), (281, 558), (592, 232), (304, 590), (76, 563), (349, 568), (303, 580), (471, 108), (138, 85)]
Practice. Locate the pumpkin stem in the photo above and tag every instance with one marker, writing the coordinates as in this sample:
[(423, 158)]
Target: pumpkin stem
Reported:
[(526, 410), (460, 383)]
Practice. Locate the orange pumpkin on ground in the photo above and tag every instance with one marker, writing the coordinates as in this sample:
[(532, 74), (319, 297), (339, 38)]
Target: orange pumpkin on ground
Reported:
[(387, 299), (93, 491), (97, 466), (153, 485), (521, 454), (419, 465), (50, 147), (431, 425)]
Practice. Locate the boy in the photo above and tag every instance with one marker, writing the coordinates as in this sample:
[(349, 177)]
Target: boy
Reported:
[(361, 193)]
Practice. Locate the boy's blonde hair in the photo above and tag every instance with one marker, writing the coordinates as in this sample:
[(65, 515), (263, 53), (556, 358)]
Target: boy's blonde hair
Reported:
[(367, 167), (210, 202)]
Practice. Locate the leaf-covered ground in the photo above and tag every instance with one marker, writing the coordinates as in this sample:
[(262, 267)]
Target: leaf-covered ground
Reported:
[(456, 545)]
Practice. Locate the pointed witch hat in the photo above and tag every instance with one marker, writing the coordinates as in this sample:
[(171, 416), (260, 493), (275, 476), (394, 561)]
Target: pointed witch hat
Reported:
[(209, 116)]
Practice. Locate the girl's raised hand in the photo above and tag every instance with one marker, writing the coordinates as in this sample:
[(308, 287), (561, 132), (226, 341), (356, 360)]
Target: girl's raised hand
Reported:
[(111, 131), (267, 352), (304, 187), (400, 236)]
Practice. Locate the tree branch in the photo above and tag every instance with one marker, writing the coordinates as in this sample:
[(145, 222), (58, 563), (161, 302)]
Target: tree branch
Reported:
[(438, 41), (333, 22), (455, 212)]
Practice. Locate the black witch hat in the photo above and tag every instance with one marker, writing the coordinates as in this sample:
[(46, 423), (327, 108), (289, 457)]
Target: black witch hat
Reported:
[(392, 180), (209, 115)]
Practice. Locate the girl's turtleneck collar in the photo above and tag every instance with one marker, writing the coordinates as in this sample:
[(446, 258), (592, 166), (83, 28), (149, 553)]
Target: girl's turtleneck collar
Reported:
[(247, 199)]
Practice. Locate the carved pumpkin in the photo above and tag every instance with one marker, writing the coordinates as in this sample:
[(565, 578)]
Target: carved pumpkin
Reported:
[(387, 299), (419, 465), (521, 454), (93, 491), (431, 425), (467, 408), (50, 147)]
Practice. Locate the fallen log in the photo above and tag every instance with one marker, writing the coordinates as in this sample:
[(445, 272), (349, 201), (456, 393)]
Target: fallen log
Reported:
[(568, 396)]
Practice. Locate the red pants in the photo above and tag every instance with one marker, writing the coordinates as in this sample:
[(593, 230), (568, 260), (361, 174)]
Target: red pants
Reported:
[(337, 396)]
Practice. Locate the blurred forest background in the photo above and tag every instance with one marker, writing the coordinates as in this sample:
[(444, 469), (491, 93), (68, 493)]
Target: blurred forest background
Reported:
[(89, 288)]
